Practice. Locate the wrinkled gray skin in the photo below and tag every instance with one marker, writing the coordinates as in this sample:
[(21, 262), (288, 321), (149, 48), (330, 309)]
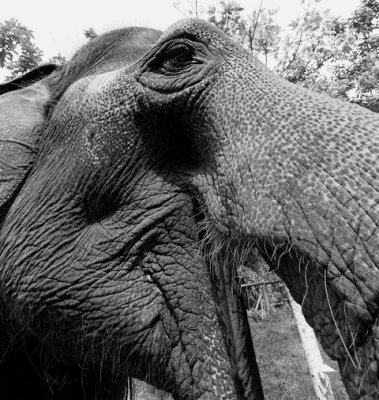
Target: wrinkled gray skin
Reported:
[(133, 182)]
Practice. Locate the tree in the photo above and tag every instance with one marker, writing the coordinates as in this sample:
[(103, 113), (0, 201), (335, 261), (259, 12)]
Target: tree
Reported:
[(18, 53), (228, 18), (192, 8), (357, 74), (58, 59), (261, 35), (306, 48), (258, 31)]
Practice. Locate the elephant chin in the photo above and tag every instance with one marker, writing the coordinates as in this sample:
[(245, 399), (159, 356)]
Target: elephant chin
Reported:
[(347, 331)]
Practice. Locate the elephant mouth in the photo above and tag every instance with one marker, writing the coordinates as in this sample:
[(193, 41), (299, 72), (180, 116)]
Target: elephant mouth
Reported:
[(346, 329)]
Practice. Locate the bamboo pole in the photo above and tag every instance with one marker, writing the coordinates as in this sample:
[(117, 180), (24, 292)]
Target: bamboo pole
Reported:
[(320, 380)]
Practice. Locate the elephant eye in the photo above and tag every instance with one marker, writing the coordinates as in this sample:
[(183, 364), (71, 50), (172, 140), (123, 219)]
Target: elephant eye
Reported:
[(176, 59)]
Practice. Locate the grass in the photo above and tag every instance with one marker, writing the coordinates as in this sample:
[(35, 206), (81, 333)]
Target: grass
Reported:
[(147, 392), (281, 360)]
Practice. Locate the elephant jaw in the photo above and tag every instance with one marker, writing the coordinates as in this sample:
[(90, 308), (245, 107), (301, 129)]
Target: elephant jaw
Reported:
[(345, 326)]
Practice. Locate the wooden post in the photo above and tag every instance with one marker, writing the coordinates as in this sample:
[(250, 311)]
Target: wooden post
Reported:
[(320, 380), (258, 301), (267, 301)]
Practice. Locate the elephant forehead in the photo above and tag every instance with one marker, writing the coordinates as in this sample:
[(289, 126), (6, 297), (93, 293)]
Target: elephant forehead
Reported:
[(95, 113), (115, 49), (199, 29), (97, 93)]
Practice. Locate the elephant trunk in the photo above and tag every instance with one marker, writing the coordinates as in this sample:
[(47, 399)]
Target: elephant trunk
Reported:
[(296, 174)]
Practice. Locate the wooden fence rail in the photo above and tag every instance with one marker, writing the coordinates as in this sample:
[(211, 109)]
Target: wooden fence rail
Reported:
[(263, 283)]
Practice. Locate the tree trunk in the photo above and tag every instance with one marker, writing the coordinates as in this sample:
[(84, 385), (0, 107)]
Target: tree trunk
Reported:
[(320, 380)]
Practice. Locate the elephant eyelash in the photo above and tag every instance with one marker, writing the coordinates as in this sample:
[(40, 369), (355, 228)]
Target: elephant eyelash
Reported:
[(178, 60), (174, 58)]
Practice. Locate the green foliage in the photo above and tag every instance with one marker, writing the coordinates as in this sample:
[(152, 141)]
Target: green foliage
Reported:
[(30, 57), (12, 34), (336, 56), (18, 53), (359, 71), (190, 8), (261, 34), (228, 18), (258, 32), (306, 48), (58, 59)]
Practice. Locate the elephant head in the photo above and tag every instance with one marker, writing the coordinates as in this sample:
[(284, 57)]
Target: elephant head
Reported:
[(139, 176), (102, 274)]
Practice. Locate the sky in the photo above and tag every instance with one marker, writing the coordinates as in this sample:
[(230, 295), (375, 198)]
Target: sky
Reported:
[(58, 25)]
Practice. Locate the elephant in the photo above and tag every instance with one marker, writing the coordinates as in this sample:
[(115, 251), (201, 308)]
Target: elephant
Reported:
[(134, 182)]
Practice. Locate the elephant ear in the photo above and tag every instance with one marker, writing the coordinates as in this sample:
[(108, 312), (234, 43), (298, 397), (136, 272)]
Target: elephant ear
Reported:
[(22, 103)]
